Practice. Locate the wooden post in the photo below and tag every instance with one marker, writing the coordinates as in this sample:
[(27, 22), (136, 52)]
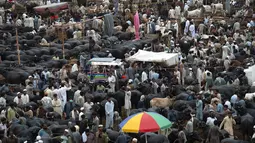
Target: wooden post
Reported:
[(17, 44)]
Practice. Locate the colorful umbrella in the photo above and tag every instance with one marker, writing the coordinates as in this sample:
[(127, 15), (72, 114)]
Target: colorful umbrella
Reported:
[(144, 122)]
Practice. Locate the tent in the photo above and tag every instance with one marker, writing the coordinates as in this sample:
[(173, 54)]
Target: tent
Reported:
[(54, 8), (169, 59)]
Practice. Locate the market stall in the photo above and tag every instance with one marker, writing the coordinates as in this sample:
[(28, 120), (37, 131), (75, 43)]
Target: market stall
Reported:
[(98, 68), (169, 59)]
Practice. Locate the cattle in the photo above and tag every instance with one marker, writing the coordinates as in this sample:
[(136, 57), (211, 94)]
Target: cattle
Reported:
[(217, 8), (162, 102)]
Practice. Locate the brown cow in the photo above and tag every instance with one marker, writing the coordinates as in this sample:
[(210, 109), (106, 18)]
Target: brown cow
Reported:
[(162, 102)]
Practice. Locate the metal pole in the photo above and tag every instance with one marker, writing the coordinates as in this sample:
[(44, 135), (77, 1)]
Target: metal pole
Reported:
[(17, 44)]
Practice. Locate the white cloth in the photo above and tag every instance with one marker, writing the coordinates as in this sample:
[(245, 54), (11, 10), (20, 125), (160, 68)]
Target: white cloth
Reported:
[(228, 104), (210, 121), (84, 137)]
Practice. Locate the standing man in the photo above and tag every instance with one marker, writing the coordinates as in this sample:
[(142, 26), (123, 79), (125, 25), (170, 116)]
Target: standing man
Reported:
[(109, 112), (112, 81), (228, 123), (128, 101), (199, 108)]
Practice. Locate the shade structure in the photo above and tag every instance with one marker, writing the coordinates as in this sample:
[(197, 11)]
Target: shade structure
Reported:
[(54, 8), (144, 122)]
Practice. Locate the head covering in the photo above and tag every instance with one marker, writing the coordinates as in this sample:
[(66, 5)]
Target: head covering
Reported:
[(134, 140), (38, 138), (30, 76), (25, 90), (82, 108), (18, 93), (66, 130), (100, 126), (129, 23), (130, 81)]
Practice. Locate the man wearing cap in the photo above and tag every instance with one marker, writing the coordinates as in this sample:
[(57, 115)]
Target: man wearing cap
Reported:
[(30, 79), (18, 99), (25, 97)]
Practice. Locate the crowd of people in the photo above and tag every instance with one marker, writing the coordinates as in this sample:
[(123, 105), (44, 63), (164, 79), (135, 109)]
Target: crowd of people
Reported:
[(86, 125)]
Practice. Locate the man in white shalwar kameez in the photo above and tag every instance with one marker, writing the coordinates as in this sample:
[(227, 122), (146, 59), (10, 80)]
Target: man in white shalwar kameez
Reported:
[(112, 81), (199, 77), (63, 95), (144, 76), (176, 27), (192, 30), (186, 29), (109, 112), (225, 51)]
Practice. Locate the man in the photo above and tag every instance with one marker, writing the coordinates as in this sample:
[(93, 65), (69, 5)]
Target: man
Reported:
[(228, 123), (144, 76), (46, 101), (192, 29), (227, 63), (201, 28), (18, 99), (30, 89), (127, 105), (109, 112), (2, 101), (77, 94), (111, 80), (92, 43), (45, 133), (130, 72), (69, 106), (25, 97), (63, 93), (199, 108), (101, 136), (88, 106), (49, 92), (11, 113)]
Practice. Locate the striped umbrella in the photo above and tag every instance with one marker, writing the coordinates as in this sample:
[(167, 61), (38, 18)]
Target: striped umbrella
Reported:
[(144, 122)]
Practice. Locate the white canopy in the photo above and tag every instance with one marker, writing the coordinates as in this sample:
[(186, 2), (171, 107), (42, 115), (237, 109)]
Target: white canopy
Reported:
[(105, 62), (160, 57)]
